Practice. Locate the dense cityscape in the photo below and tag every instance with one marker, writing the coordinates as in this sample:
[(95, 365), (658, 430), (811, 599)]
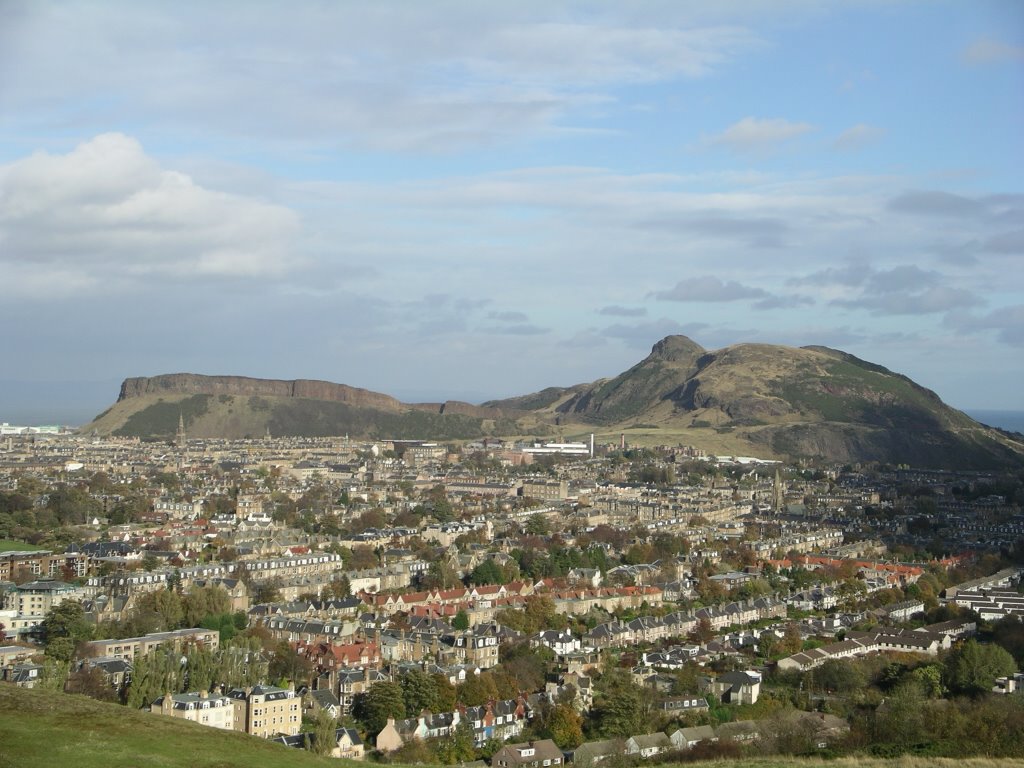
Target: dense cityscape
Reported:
[(412, 601), (512, 384)]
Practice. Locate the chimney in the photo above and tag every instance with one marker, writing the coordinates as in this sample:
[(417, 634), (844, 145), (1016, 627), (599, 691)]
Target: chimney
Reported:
[(204, 694)]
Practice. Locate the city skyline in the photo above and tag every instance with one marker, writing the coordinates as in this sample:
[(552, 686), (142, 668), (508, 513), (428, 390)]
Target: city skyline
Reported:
[(478, 201)]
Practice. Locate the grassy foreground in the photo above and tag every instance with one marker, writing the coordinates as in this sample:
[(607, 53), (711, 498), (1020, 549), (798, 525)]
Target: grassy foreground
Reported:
[(39, 729), (14, 545), (43, 729)]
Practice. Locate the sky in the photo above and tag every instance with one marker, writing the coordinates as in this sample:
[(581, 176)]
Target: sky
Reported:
[(471, 200)]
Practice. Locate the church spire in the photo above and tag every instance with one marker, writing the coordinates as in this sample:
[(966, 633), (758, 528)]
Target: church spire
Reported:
[(778, 494)]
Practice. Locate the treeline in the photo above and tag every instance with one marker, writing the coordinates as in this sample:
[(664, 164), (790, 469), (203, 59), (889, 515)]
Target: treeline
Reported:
[(167, 609)]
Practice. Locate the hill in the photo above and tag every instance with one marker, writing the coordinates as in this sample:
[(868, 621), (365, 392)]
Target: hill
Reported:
[(240, 407), (40, 729), (811, 402), (746, 399)]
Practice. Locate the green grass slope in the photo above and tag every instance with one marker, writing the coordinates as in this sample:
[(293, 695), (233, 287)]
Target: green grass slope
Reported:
[(41, 729), (239, 416)]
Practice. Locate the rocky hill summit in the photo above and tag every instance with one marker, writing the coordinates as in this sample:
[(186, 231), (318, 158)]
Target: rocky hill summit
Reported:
[(759, 399), (808, 402), (243, 386)]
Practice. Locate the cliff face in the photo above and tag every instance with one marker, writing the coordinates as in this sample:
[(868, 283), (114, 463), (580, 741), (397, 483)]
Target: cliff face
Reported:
[(243, 386)]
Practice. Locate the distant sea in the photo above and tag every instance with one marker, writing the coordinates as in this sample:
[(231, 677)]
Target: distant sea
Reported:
[(1012, 421)]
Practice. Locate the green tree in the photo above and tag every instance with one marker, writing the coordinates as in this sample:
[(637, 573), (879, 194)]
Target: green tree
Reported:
[(622, 708), (972, 668), (446, 693), (565, 726), (375, 706), (792, 641), (419, 692), (526, 665), (416, 752), (200, 668), (55, 674), (323, 740), (703, 632), (840, 676), (339, 588), (202, 602), (268, 591), (488, 572), (63, 628), (158, 672), (477, 690), (440, 508), (461, 620), (165, 604), (929, 680), (286, 664), (457, 747), (241, 664), (538, 525), (1008, 633), (440, 575)]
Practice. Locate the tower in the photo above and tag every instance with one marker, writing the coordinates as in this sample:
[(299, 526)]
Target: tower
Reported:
[(778, 495), (180, 438)]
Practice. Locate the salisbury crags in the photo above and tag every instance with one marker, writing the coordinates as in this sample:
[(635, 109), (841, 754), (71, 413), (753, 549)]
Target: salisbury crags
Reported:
[(243, 386)]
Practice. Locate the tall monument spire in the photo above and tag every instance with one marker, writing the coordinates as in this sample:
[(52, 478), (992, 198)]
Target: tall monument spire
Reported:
[(180, 438), (778, 494)]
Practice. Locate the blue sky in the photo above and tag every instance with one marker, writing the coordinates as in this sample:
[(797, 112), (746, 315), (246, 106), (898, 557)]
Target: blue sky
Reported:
[(473, 200)]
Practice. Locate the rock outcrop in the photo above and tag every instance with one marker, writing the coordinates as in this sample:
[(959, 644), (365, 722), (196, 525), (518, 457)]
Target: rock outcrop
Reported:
[(243, 386), (809, 402)]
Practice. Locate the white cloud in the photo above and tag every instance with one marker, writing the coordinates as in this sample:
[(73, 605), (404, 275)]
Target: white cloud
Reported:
[(857, 137), (937, 203), (407, 77), (923, 301), (614, 310), (1008, 322), (108, 212), (710, 288), (988, 51), (755, 134)]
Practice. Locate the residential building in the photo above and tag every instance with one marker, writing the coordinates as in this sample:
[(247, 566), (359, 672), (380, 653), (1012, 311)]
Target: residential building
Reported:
[(42, 563), (266, 710), (533, 754), (347, 743), (38, 598), (213, 711), (648, 745), (737, 687), (131, 648)]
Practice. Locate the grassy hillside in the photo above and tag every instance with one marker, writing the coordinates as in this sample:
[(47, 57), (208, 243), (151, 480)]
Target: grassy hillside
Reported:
[(40, 729), (16, 545), (235, 416)]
